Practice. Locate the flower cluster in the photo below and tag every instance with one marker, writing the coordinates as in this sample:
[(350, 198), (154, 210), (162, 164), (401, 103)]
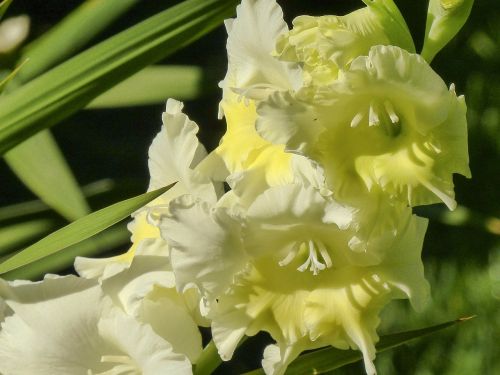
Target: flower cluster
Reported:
[(335, 130)]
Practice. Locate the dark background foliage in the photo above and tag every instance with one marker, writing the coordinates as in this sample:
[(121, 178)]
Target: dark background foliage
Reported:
[(461, 251)]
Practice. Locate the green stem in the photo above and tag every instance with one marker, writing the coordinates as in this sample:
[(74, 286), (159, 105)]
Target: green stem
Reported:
[(209, 360)]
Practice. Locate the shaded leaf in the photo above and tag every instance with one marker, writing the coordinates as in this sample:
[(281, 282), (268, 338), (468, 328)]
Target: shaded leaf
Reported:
[(40, 164), (70, 86), (38, 161), (57, 262), (93, 16), (16, 235), (327, 359), (34, 207), (209, 359), (4, 5), (153, 85), (79, 230), (10, 76)]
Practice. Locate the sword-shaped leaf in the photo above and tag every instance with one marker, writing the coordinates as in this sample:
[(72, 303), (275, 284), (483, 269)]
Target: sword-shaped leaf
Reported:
[(153, 85), (79, 230), (323, 361), (70, 86), (38, 161)]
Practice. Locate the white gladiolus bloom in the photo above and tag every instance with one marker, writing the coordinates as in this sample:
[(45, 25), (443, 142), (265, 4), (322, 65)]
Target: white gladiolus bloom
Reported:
[(285, 266), (141, 281), (326, 45), (146, 290), (335, 130), (173, 157), (253, 73), (66, 325), (388, 124)]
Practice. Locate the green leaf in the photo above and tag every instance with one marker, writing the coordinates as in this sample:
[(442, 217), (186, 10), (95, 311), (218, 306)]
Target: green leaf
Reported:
[(57, 262), (393, 23), (16, 235), (79, 230), (40, 164), (35, 207), (17, 210), (327, 359), (38, 161), (445, 18), (209, 360), (66, 37), (4, 5), (153, 85), (10, 76), (70, 86)]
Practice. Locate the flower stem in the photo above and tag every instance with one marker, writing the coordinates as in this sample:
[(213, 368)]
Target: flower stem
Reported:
[(209, 360)]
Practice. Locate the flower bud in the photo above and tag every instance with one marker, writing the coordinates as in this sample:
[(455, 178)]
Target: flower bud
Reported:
[(444, 19)]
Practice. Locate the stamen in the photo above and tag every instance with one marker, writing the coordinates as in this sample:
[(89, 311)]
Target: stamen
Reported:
[(291, 255), (390, 111), (388, 119), (313, 263), (304, 266), (373, 118), (356, 119), (324, 253), (433, 146)]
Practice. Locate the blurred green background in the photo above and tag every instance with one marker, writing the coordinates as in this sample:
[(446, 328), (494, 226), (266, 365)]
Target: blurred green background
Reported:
[(462, 248)]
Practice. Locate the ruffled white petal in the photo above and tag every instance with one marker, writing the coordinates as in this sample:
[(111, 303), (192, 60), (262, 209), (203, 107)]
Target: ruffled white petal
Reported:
[(148, 353), (173, 157), (170, 319), (389, 108), (174, 154), (147, 291), (337, 306), (100, 268), (285, 219), (65, 325), (131, 286), (228, 328), (284, 119), (252, 70), (206, 248)]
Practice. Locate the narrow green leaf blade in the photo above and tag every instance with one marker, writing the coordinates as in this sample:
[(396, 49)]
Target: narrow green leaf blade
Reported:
[(41, 166), (70, 86), (38, 161), (153, 85), (4, 5), (325, 360), (93, 16), (26, 209), (10, 77), (15, 235), (60, 261), (79, 230), (328, 359)]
